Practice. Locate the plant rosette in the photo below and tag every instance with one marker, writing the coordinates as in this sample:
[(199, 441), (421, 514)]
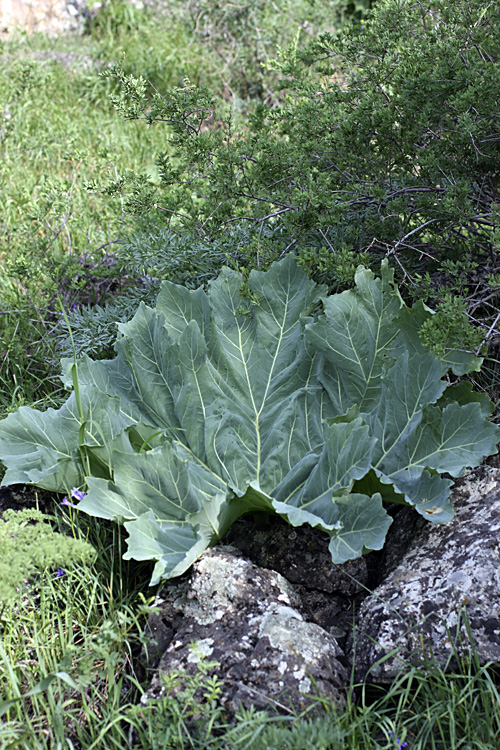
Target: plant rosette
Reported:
[(217, 404)]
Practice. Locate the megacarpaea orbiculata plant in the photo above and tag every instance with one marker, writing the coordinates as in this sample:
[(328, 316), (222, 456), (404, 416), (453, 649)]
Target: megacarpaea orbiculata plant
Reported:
[(317, 408)]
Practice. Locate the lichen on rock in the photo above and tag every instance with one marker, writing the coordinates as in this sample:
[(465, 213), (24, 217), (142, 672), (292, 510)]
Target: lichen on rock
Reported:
[(446, 587), (249, 621)]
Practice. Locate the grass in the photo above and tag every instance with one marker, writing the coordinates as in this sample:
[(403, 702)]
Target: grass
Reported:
[(54, 232), (64, 150), (67, 648), (68, 645)]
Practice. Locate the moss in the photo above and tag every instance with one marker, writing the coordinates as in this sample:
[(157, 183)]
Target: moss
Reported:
[(30, 546)]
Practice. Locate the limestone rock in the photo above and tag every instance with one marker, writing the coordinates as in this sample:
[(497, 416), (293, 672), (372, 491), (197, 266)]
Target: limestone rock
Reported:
[(49, 16), (330, 593), (250, 622), (447, 571), (56, 17)]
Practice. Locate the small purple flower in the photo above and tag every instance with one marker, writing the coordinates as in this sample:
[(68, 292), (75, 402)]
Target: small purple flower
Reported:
[(60, 572), (399, 743), (77, 494)]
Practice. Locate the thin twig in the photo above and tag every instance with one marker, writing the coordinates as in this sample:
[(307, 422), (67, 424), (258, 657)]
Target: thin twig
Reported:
[(488, 334)]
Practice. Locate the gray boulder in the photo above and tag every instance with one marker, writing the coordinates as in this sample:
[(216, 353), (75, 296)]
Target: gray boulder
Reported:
[(275, 635), (53, 17), (250, 622), (330, 594), (446, 583)]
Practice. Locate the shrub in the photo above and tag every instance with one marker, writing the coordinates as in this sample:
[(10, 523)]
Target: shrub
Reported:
[(29, 547), (385, 143), (216, 43)]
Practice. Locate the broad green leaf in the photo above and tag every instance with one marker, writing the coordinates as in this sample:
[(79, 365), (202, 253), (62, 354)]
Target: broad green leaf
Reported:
[(179, 307), (357, 340), (161, 480), (407, 387), (450, 439), (175, 546), (268, 397), (364, 527), (462, 393), (428, 492), (345, 457), (46, 448)]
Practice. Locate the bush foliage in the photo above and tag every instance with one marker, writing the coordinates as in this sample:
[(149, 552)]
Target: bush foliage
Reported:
[(217, 405), (384, 142), (376, 140)]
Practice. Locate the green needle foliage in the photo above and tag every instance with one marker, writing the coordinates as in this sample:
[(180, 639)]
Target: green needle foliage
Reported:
[(382, 141)]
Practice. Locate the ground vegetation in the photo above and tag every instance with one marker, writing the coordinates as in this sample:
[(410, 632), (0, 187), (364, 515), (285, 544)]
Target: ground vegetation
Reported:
[(158, 148)]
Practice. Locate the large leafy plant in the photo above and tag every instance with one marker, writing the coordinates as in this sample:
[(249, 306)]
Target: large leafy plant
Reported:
[(258, 396)]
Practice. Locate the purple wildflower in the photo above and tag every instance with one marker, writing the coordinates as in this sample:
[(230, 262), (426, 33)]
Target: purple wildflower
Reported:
[(399, 743), (77, 494), (60, 572)]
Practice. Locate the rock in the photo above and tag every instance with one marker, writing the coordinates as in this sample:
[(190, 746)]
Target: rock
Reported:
[(250, 622), (52, 17), (447, 571), (57, 17), (329, 593), (404, 528), (19, 496), (295, 553)]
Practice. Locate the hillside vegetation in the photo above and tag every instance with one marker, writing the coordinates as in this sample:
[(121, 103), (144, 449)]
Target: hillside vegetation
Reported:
[(198, 143)]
